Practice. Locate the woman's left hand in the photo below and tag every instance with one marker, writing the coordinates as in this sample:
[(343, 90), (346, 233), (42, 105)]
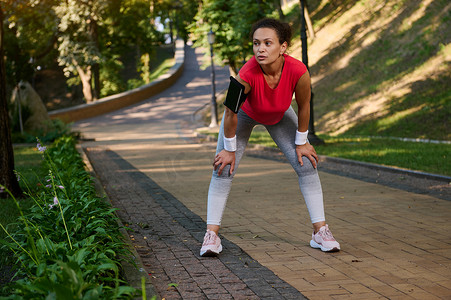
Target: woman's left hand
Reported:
[(308, 151)]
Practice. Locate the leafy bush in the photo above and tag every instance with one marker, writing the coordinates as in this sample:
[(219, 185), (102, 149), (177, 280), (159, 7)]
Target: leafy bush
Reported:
[(68, 243), (57, 129)]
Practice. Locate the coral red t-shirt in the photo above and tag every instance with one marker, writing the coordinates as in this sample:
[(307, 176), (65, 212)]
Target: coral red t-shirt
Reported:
[(264, 104)]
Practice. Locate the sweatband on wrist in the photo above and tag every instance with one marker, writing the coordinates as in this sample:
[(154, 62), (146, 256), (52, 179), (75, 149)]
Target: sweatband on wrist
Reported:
[(301, 138), (230, 144)]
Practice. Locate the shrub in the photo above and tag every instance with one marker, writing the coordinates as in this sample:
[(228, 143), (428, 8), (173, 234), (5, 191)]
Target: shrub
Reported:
[(68, 245)]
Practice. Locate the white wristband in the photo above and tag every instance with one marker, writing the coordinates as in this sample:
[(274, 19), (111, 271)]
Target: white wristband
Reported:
[(230, 144), (301, 138)]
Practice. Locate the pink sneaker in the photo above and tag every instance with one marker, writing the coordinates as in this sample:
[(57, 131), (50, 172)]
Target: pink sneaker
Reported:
[(324, 240), (212, 244)]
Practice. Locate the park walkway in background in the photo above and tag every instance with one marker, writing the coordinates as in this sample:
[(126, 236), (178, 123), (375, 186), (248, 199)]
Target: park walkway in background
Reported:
[(395, 244)]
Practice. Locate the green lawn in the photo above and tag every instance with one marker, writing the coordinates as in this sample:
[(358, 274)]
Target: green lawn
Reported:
[(425, 157), (27, 163)]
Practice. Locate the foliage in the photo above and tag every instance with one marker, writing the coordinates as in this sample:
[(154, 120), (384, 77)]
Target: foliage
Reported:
[(131, 23), (89, 35), (231, 22), (179, 14), (112, 82), (67, 245), (57, 129), (30, 31)]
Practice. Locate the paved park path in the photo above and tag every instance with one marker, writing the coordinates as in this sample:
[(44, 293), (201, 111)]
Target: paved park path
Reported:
[(396, 244)]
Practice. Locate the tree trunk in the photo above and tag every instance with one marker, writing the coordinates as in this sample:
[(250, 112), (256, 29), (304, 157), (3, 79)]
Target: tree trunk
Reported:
[(279, 9), (86, 77), (96, 67), (96, 75), (311, 32), (7, 176)]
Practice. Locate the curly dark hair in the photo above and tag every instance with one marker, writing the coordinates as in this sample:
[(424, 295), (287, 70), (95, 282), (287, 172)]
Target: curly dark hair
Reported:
[(283, 30)]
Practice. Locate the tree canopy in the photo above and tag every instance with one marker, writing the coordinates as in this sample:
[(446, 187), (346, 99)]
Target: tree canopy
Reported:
[(88, 37), (231, 22)]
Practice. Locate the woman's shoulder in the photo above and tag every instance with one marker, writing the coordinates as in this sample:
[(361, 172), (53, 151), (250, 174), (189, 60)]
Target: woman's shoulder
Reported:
[(296, 63), (294, 66), (249, 68)]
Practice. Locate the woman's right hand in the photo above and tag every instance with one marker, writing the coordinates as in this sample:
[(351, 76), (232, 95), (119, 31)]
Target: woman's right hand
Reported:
[(223, 159)]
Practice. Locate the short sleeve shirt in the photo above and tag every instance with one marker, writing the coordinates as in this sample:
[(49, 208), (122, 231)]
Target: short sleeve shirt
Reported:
[(264, 104)]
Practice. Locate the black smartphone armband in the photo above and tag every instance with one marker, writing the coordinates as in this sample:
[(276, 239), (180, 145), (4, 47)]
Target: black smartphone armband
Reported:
[(235, 95)]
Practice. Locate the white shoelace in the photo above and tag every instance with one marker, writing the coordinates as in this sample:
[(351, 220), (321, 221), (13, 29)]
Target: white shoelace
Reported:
[(209, 238), (326, 234)]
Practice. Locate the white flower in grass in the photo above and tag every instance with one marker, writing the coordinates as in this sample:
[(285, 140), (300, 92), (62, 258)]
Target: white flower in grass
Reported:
[(55, 202), (40, 148)]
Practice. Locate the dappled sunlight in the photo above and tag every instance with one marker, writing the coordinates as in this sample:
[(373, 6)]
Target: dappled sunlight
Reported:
[(376, 105), (378, 152), (361, 36), (394, 118), (172, 168), (198, 83), (243, 171), (163, 147), (408, 22), (373, 54), (345, 85)]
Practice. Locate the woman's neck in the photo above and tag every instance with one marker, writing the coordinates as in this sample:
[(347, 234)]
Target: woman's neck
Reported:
[(275, 68)]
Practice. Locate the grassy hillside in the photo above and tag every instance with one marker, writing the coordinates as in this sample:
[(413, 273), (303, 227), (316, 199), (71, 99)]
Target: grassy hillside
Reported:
[(380, 67)]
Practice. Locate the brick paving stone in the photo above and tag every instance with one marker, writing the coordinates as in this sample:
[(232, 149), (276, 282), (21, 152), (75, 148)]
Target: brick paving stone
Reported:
[(173, 237)]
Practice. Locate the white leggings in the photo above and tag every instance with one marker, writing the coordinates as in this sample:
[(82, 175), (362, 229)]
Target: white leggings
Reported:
[(283, 134)]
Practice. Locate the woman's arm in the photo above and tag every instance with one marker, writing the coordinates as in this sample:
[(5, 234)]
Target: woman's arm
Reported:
[(225, 157), (302, 95), (230, 118)]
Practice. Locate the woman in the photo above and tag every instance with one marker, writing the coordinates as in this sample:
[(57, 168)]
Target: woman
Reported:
[(269, 78)]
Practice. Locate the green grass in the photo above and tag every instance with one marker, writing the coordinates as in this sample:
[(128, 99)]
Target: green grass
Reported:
[(27, 162), (426, 157), (159, 63), (400, 52), (162, 68), (417, 156)]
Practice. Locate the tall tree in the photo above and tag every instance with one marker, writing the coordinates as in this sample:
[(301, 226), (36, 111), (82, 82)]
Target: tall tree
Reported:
[(231, 22), (278, 5), (308, 21), (30, 35), (79, 51), (7, 176)]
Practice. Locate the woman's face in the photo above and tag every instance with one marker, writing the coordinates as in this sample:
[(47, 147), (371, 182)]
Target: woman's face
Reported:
[(267, 48)]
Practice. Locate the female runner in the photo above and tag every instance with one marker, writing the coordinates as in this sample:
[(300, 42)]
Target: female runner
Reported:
[(270, 78)]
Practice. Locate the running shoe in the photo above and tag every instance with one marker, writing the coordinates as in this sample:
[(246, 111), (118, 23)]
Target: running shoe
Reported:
[(324, 240), (212, 244)]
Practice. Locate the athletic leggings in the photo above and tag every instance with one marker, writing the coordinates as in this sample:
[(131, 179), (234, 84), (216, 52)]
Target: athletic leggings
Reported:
[(283, 134)]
